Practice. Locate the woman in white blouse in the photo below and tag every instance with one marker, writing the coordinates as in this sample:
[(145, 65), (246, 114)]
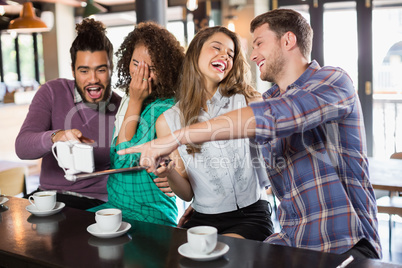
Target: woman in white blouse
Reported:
[(224, 179)]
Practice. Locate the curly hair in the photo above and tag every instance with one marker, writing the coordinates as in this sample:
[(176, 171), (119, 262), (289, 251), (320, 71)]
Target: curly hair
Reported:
[(166, 54), (91, 36)]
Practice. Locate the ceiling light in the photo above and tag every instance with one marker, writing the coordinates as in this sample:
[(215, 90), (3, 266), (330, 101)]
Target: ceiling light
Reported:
[(27, 22), (192, 5)]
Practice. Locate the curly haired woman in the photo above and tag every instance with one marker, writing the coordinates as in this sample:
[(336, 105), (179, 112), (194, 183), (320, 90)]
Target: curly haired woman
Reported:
[(149, 65)]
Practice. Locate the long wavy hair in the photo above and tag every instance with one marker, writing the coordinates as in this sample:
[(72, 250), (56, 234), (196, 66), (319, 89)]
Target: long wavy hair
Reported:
[(166, 54), (192, 91)]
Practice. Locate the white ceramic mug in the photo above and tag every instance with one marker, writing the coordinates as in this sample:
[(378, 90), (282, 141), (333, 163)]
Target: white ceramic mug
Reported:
[(202, 239), (74, 157), (45, 200), (108, 220)]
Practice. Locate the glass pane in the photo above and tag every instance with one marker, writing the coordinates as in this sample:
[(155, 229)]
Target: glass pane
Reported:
[(27, 61), (41, 63), (9, 61), (387, 80), (302, 9), (190, 28), (340, 48), (177, 29)]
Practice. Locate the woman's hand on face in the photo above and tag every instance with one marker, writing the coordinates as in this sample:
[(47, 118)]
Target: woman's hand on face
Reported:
[(141, 83)]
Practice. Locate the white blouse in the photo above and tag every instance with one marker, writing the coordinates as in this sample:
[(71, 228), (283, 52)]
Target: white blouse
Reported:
[(225, 175)]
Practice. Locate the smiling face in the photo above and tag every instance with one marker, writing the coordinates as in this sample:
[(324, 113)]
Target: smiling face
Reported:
[(92, 75), (216, 59), (140, 54), (267, 54)]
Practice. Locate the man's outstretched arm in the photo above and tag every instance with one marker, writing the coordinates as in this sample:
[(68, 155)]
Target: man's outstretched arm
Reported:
[(233, 125)]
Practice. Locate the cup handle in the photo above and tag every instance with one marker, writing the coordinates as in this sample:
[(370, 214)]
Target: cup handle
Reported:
[(30, 201), (55, 156), (54, 153)]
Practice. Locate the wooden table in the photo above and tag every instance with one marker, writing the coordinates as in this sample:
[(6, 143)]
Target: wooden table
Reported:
[(386, 174), (61, 240)]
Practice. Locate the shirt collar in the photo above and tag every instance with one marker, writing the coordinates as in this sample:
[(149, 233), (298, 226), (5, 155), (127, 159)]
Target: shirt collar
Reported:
[(311, 69), (218, 100), (274, 91), (77, 96)]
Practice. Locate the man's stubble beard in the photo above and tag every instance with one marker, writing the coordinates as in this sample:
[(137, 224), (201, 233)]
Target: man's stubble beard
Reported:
[(274, 68)]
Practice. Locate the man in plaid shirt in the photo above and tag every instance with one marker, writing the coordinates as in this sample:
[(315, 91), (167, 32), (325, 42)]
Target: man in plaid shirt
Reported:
[(311, 127)]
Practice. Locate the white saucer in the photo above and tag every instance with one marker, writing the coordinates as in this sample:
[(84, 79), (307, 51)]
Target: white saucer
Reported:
[(93, 229), (59, 206), (220, 250), (3, 200)]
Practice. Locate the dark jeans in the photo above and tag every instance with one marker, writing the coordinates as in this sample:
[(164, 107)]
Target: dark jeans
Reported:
[(72, 201)]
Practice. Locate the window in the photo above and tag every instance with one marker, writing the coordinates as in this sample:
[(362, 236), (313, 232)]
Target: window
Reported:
[(9, 59), (387, 79), (23, 67)]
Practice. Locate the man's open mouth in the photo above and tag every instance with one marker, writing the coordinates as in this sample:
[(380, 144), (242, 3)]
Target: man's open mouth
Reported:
[(94, 91)]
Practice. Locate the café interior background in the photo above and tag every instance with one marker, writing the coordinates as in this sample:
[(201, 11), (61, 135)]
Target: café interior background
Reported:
[(364, 37)]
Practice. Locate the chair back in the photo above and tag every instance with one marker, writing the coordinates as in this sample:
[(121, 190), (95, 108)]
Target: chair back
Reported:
[(397, 155), (12, 181)]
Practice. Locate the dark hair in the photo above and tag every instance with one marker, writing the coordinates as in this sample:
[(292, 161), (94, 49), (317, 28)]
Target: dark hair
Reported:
[(91, 36), (166, 54), (282, 21)]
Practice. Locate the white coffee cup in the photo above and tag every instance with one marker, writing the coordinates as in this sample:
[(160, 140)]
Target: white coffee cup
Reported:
[(108, 220), (45, 200), (202, 239)]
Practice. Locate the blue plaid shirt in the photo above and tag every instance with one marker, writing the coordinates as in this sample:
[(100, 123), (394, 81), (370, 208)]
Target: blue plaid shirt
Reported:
[(315, 152)]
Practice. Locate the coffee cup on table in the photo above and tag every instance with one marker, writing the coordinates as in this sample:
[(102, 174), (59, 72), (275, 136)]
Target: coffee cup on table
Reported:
[(45, 200), (108, 220), (202, 239)]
